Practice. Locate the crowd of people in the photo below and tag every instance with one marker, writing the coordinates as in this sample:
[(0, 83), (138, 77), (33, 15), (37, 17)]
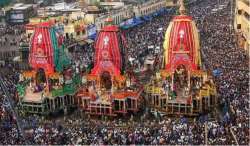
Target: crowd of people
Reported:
[(9, 33), (219, 52)]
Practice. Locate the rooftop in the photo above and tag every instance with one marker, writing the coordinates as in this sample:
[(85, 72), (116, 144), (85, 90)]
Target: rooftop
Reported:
[(21, 6)]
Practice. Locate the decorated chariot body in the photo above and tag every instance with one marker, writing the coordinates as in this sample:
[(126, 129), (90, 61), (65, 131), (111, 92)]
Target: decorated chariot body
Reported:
[(106, 91), (51, 84), (182, 86)]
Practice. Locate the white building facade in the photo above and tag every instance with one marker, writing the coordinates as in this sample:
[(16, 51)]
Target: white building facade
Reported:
[(129, 11)]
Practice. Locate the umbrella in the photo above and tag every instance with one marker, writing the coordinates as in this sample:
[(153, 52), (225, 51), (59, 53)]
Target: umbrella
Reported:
[(217, 72), (17, 59)]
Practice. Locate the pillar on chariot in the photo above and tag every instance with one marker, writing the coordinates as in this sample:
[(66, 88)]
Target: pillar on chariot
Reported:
[(105, 92), (185, 87)]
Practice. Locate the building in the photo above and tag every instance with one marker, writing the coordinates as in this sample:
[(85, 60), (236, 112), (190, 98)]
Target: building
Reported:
[(20, 13), (170, 3), (129, 11), (242, 23), (149, 7), (118, 16)]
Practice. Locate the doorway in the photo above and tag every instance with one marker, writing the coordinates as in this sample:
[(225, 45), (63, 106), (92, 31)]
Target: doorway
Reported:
[(106, 81), (40, 76), (181, 81)]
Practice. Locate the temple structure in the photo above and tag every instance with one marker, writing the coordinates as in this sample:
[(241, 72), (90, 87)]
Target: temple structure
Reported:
[(108, 51), (182, 87), (106, 91), (51, 83)]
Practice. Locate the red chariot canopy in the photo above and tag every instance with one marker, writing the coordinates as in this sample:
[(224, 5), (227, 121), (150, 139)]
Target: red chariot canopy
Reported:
[(182, 44), (107, 51), (41, 51)]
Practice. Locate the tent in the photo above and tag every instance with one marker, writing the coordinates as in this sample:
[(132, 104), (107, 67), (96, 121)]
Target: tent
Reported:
[(92, 31), (147, 18), (217, 72), (131, 23), (137, 21)]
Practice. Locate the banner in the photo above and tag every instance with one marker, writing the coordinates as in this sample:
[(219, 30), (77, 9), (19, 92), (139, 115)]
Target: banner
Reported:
[(91, 31), (59, 28)]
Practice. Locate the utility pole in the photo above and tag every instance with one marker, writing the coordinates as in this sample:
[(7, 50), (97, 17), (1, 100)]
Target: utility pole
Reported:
[(231, 13), (235, 139), (206, 131)]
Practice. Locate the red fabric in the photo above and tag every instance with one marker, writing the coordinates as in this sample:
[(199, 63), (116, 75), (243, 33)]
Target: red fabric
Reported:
[(181, 39), (41, 52), (29, 26), (107, 52)]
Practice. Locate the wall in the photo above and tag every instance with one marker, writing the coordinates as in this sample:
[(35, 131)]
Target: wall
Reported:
[(117, 15), (149, 7), (130, 11), (242, 21)]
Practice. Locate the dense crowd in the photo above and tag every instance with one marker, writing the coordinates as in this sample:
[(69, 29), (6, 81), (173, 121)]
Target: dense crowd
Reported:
[(219, 41), (143, 42), (219, 52), (9, 33)]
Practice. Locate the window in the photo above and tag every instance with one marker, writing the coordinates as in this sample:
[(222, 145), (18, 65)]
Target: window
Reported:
[(247, 16), (83, 31), (239, 12), (238, 26), (78, 33)]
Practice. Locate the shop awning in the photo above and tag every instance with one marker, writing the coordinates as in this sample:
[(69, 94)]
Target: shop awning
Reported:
[(137, 21), (131, 23), (147, 18)]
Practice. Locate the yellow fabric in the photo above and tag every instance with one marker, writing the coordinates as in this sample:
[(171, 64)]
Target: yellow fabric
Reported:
[(149, 89), (197, 73), (153, 90), (212, 90), (204, 93), (156, 90), (197, 44), (165, 73), (120, 78), (29, 74), (55, 75), (166, 43)]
